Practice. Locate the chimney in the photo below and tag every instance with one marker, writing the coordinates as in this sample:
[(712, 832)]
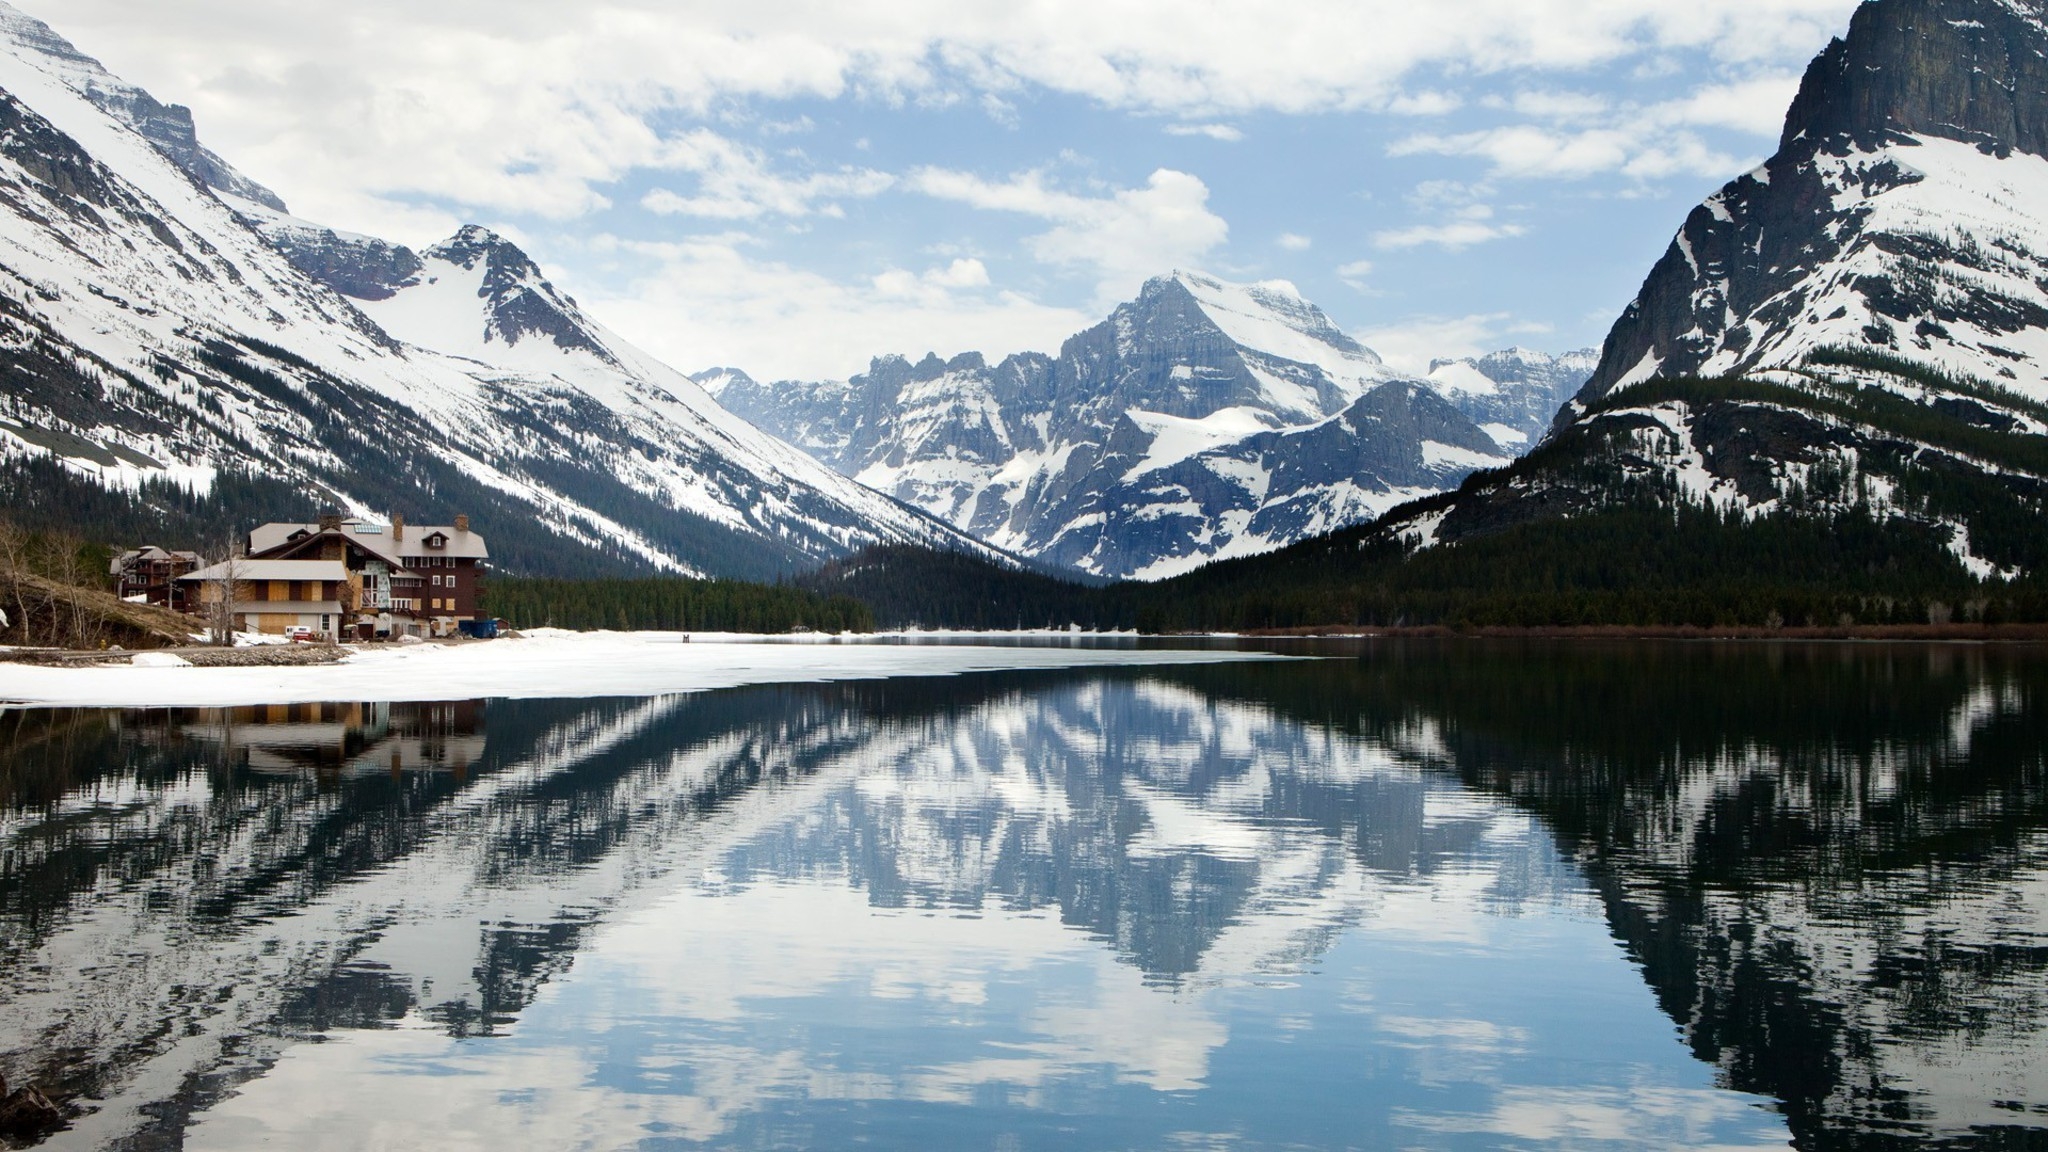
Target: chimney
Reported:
[(398, 527), (330, 521), (461, 522)]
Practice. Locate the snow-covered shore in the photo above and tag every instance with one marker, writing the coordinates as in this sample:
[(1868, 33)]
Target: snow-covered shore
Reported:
[(567, 664)]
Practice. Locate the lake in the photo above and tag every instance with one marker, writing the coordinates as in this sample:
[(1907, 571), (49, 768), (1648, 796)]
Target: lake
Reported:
[(1405, 894)]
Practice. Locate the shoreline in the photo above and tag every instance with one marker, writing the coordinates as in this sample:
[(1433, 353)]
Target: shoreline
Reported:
[(1913, 633), (552, 665)]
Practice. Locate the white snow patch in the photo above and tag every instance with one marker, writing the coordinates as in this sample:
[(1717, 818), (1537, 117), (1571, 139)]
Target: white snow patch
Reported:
[(1505, 435), (1457, 376), (1175, 438), (553, 664), (1449, 456)]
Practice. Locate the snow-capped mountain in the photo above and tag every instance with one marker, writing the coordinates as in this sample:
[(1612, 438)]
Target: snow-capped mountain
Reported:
[(1880, 286), (1513, 394), (1202, 420), (161, 345)]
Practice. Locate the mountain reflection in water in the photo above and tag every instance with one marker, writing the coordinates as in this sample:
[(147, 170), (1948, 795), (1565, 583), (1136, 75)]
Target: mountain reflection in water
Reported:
[(1364, 901)]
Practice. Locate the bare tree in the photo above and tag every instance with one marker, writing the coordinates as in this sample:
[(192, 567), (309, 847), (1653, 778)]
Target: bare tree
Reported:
[(220, 612), (13, 558)]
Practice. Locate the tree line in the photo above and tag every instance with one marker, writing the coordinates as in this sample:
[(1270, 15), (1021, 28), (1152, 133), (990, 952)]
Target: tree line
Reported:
[(670, 604)]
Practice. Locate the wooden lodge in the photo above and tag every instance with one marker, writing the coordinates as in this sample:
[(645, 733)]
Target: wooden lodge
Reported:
[(152, 575), (346, 578)]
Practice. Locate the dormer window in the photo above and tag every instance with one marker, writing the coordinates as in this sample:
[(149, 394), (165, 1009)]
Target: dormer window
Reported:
[(301, 534), (437, 540)]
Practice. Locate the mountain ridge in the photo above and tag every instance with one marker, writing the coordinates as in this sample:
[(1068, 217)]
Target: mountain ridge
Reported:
[(1200, 420)]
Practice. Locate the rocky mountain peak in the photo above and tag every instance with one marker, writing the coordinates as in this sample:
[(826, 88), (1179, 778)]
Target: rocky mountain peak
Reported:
[(717, 380), (1969, 70), (474, 243), (519, 300)]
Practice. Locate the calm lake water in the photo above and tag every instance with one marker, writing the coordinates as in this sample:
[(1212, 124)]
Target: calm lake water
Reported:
[(1412, 895)]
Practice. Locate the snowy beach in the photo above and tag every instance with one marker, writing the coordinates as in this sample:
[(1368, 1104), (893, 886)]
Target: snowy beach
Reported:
[(555, 664)]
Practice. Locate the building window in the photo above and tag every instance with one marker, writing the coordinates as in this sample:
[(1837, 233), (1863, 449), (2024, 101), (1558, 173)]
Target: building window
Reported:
[(437, 580)]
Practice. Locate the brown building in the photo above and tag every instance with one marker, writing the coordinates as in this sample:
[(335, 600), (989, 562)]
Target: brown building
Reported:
[(272, 595), (402, 580), (151, 575)]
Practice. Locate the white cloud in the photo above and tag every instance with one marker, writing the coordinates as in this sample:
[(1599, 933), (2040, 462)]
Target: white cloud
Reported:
[(1756, 105), (533, 106), (710, 300), (1294, 242), (1123, 238), (964, 273), (1462, 219), (1411, 344), (1525, 151), (1455, 235), (935, 284), (1428, 103), (1223, 132), (1355, 271), (1583, 134), (734, 182)]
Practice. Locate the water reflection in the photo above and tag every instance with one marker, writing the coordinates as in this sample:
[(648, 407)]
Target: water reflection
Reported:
[(1357, 902)]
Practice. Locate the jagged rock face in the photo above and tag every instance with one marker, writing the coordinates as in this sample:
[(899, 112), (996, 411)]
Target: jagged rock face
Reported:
[(1969, 70), (1201, 420), (360, 267), (162, 344), (1901, 214)]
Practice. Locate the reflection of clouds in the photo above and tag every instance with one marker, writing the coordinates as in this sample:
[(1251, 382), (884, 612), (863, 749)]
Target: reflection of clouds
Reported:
[(1636, 1117), (1469, 1035), (723, 958), (383, 1089), (1451, 906)]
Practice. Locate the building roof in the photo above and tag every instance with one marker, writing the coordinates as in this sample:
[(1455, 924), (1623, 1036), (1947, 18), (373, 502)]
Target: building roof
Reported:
[(148, 554), (461, 545), (273, 570), (377, 538)]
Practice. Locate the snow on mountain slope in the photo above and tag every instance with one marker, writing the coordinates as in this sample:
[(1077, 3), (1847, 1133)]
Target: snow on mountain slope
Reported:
[(479, 299), (1202, 420), (1939, 253), (157, 337), (1271, 322), (1513, 394)]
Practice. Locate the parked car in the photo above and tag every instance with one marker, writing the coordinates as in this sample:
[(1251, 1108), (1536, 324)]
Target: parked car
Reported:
[(299, 634)]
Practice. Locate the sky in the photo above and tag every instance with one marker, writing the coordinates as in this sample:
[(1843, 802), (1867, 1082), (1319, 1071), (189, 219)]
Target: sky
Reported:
[(795, 188)]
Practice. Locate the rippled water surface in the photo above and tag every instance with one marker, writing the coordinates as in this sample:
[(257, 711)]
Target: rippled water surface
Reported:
[(1410, 895)]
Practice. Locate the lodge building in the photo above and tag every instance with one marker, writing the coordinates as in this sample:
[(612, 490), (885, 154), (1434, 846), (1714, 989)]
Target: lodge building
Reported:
[(150, 574), (346, 578)]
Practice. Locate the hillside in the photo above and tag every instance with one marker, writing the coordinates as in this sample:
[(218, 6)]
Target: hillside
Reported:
[(164, 352)]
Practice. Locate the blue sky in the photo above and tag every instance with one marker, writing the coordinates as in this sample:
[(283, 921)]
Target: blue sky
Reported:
[(793, 188)]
